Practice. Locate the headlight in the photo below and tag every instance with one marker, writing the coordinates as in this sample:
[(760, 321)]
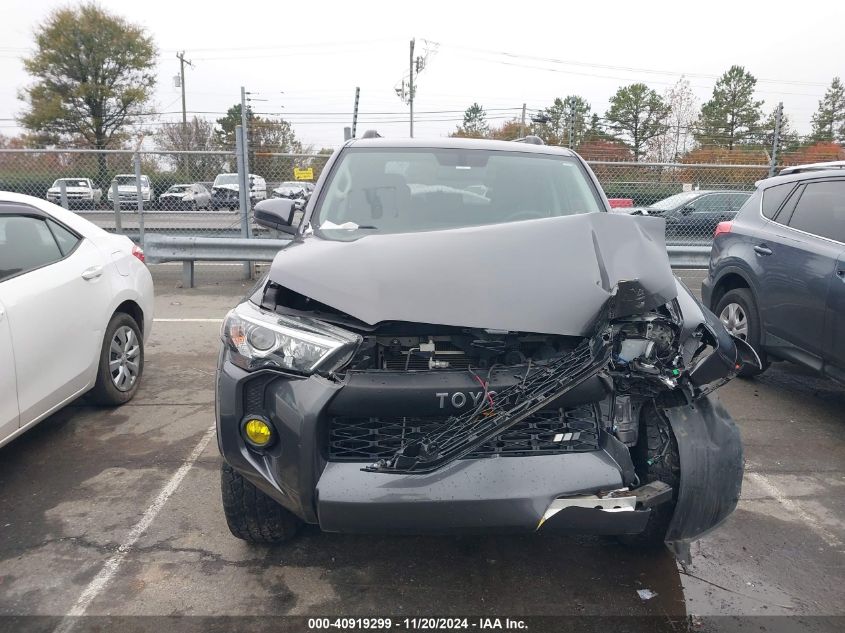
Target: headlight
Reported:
[(258, 339)]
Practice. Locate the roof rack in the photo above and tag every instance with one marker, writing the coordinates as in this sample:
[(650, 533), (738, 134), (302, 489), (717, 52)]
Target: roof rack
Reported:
[(797, 169), (533, 140)]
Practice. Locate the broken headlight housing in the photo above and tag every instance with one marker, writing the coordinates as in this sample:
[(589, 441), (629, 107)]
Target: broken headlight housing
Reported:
[(258, 339)]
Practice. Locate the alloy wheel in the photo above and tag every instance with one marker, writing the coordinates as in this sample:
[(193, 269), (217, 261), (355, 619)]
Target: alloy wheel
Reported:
[(124, 354), (735, 320)]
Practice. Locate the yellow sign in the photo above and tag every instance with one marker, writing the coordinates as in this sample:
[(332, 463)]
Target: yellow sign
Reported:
[(303, 174)]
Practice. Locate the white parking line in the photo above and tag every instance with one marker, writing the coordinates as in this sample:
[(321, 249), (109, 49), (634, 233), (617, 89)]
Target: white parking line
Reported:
[(96, 586), (793, 508), (187, 320)]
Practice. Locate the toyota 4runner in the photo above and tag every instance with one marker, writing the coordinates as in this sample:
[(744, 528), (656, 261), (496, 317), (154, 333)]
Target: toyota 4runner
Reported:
[(461, 337)]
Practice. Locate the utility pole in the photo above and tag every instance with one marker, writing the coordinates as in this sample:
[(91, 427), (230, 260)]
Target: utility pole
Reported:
[(355, 111), (244, 186), (182, 61), (522, 123), (571, 122), (245, 145), (773, 162), (411, 88)]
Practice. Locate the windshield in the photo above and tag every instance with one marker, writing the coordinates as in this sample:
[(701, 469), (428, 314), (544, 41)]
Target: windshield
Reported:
[(226, 179), (673, 202), (178, 188), (405, 190), (71, 182), (130, 180)]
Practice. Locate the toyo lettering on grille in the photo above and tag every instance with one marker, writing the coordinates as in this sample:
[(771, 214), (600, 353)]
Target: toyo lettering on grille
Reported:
[(458, 436)]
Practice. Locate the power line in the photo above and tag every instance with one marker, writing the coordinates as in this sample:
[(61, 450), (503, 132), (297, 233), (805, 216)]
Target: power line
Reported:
[(625, 68)]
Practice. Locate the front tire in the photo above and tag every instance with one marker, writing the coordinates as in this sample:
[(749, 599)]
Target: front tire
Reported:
[(121, 362), (738, 312), (655, 458), (251, 515)]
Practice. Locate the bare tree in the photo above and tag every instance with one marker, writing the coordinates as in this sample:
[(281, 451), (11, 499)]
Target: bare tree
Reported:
[(196, 135), (678, 139)]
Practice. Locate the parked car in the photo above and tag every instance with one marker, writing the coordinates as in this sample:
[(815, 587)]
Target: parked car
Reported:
[(79, 192), (76, 306), (297, 191), (426, 358), (194, 197), (694, 214), (777, 271), (224, 193), (127, 190)]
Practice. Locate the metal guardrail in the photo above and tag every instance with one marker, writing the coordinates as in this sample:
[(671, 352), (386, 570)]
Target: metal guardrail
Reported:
[(188, 250), (688, 256)]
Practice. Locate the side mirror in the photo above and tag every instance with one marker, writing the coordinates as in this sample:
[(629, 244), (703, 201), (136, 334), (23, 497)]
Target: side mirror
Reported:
[(277, 214), (687, 210)]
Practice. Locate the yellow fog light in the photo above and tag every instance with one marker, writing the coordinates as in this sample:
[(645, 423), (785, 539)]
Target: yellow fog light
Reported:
[(257, 432)]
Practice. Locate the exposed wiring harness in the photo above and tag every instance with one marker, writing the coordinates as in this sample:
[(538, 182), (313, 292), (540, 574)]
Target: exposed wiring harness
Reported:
[(459, 435)]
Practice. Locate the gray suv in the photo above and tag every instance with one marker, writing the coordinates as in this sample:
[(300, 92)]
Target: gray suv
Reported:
[(461, 337), (777, 271)]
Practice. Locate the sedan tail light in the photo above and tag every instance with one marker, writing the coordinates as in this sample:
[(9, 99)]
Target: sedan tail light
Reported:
[(138, 252), (722, 227)]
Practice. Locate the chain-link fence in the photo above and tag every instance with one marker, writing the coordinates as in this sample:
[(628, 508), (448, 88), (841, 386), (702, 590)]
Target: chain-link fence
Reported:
[(198, 193), (182, 193), (692, 198)]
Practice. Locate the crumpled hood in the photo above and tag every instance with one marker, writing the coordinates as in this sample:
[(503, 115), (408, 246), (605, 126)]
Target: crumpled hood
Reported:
[(551, 276), (631, 210)]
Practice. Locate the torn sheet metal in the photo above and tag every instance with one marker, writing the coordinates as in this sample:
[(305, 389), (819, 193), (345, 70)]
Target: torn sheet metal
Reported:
[(551, 275), (606, 504)]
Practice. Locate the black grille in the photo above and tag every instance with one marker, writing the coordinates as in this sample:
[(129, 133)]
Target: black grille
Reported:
[(254, 394), (360, 439)]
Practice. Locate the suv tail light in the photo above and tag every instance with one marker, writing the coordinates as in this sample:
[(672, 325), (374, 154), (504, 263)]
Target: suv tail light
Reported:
[(722, 227), (138, 252)]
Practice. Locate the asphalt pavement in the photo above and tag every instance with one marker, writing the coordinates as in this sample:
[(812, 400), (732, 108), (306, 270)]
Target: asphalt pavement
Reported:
[(117, 513)]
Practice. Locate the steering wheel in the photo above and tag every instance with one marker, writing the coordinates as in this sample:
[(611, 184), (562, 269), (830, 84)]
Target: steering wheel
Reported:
[(525, 215)]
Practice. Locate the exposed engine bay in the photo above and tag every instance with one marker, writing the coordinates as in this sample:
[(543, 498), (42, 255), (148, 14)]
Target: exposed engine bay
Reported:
[(640, 358)]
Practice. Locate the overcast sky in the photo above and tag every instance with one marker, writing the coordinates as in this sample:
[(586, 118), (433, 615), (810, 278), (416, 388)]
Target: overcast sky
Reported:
[(307, 58)]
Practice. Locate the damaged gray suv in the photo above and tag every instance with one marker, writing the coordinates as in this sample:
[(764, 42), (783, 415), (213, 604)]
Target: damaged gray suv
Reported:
[(460, 337)]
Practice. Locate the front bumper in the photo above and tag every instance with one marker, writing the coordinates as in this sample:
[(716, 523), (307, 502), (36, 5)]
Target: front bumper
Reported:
[(510, 493), (175, 204), (507, 494), (75, 202)]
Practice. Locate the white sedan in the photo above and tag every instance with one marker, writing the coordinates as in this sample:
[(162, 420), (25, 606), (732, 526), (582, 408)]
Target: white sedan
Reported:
[(76, 306)]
